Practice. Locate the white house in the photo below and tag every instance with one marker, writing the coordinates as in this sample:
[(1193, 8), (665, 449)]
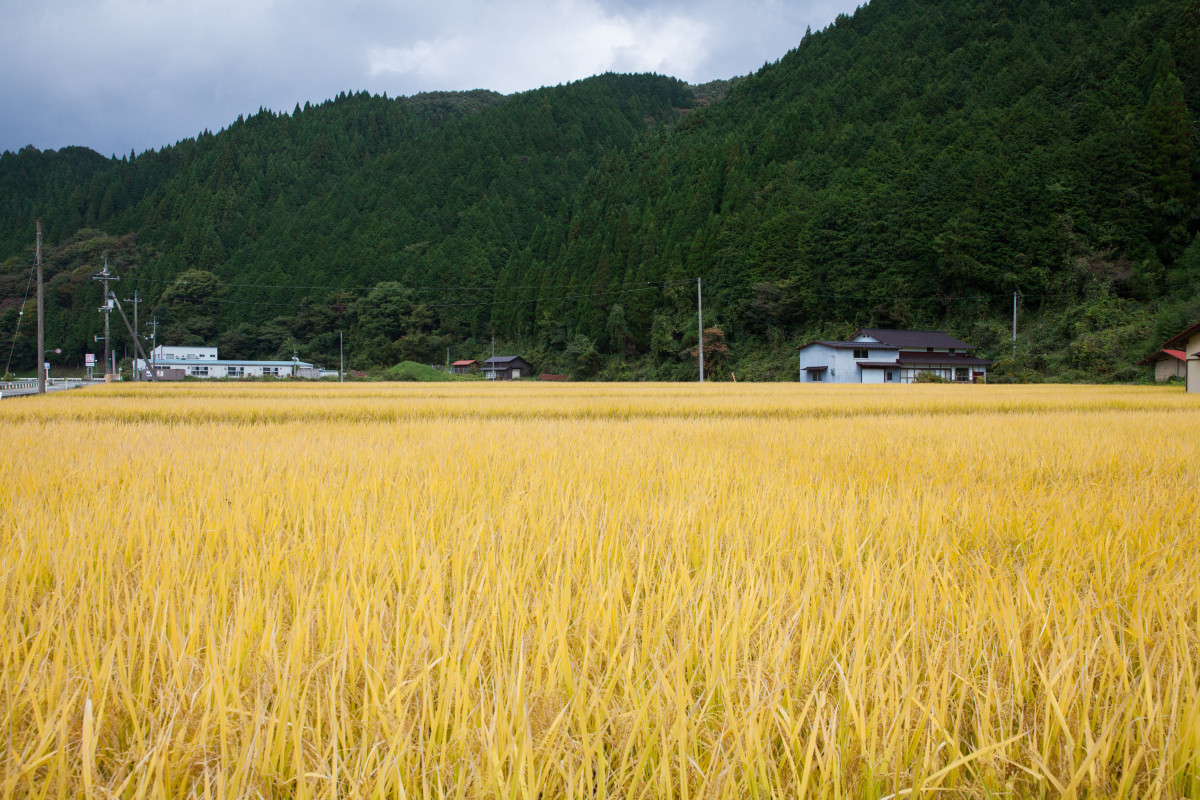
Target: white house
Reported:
[(880, 355), (202, 362), (1189, 342)]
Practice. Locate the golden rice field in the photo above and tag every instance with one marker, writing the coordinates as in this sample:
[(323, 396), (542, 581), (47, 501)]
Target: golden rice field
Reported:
[(620, 591)]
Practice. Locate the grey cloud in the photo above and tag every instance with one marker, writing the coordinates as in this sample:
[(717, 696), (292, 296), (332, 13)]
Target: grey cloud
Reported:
[(117, 75)]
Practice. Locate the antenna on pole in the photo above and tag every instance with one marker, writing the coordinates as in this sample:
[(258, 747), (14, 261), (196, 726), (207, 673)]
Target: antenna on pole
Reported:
[(41, 332), (700, 320)]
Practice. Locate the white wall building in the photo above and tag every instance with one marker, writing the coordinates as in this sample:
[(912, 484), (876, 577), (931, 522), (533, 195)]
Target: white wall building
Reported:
[(202, 362), (1189, 343), (879, 355)]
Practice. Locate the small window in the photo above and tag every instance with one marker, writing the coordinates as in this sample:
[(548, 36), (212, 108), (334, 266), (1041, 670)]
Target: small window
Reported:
[(817, 376), (891, 376), (960, 374), (516, 373), (860, 353)]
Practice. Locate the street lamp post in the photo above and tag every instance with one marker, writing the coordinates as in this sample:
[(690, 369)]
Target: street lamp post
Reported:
[(46, 364)]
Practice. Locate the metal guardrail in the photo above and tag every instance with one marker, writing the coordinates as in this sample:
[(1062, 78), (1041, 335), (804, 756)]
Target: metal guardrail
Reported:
[(29, 386)]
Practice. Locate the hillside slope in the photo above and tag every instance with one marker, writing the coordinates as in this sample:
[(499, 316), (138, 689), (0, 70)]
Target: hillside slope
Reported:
[(915, 164)]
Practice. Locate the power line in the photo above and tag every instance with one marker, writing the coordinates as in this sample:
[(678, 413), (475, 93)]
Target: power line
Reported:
[(20, 316)]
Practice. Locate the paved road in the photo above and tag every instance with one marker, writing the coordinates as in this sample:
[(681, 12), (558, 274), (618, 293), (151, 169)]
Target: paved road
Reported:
[(26, 391)]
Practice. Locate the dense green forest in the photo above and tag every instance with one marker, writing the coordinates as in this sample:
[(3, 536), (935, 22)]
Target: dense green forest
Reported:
[(914, 164)]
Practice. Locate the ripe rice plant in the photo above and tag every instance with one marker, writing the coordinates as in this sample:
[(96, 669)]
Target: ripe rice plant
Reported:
[(654, 591)]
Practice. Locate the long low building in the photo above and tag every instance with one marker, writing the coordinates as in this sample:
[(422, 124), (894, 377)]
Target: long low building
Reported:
[(880, 355), (203, 362)]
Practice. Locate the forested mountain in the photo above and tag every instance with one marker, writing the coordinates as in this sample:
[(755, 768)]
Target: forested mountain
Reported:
[(912, 165)]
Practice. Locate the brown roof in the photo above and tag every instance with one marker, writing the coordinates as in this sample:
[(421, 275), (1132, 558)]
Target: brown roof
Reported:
[(902, 339), (1180, 339), (466, 363)]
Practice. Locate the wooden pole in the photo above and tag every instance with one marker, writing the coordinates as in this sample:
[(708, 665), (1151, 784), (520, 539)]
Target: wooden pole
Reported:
[(41, 333)]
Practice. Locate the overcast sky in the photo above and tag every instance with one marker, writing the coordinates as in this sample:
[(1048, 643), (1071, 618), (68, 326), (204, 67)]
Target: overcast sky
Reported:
[(122, 75)]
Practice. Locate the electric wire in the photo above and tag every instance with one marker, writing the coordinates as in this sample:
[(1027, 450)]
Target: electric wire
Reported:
[(20, 317)]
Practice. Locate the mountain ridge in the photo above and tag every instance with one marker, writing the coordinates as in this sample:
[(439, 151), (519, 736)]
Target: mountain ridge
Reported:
[(913, 164)]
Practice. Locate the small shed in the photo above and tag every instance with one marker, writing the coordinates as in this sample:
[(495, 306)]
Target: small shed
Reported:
[(1189, 342), (467, 366), (506, 368), (1167, 364)]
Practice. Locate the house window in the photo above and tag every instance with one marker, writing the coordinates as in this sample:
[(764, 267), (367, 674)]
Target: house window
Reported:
[(271, 371), (891, 376), (860, 353), (516, 373), (817, 375), (236, 372), (199, 372), (960, 374)]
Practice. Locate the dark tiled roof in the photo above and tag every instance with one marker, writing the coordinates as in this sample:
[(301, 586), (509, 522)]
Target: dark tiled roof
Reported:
[(879, 364), (503, 359), (852, 345), (815, 369), (915, 338), (943, 359)]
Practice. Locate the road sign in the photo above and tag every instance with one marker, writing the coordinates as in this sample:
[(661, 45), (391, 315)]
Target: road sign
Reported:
[(47, 366), (89, 359)]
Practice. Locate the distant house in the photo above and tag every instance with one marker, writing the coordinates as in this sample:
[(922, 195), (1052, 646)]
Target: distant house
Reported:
[(1167, 364), (881, 355), (465, 367), (202, 362), (1188, 342), (506, 368)]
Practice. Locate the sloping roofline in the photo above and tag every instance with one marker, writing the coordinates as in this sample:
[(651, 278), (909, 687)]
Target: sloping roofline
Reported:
[(902, 339), (849, 345), (1155, 357), (1181, 338)]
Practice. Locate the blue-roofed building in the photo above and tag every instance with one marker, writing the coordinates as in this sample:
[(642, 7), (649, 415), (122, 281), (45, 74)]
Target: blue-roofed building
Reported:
[(203, 362)]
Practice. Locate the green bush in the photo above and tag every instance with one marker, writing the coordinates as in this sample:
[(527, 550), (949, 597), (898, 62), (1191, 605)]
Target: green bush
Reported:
[(412, 371)]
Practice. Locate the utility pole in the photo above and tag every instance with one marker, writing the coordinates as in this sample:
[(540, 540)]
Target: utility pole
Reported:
[(136, 330), (153, 340), (700, 320), (1014, 328), (341, 360), (137, 346), (41, 336), (104, 277)]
